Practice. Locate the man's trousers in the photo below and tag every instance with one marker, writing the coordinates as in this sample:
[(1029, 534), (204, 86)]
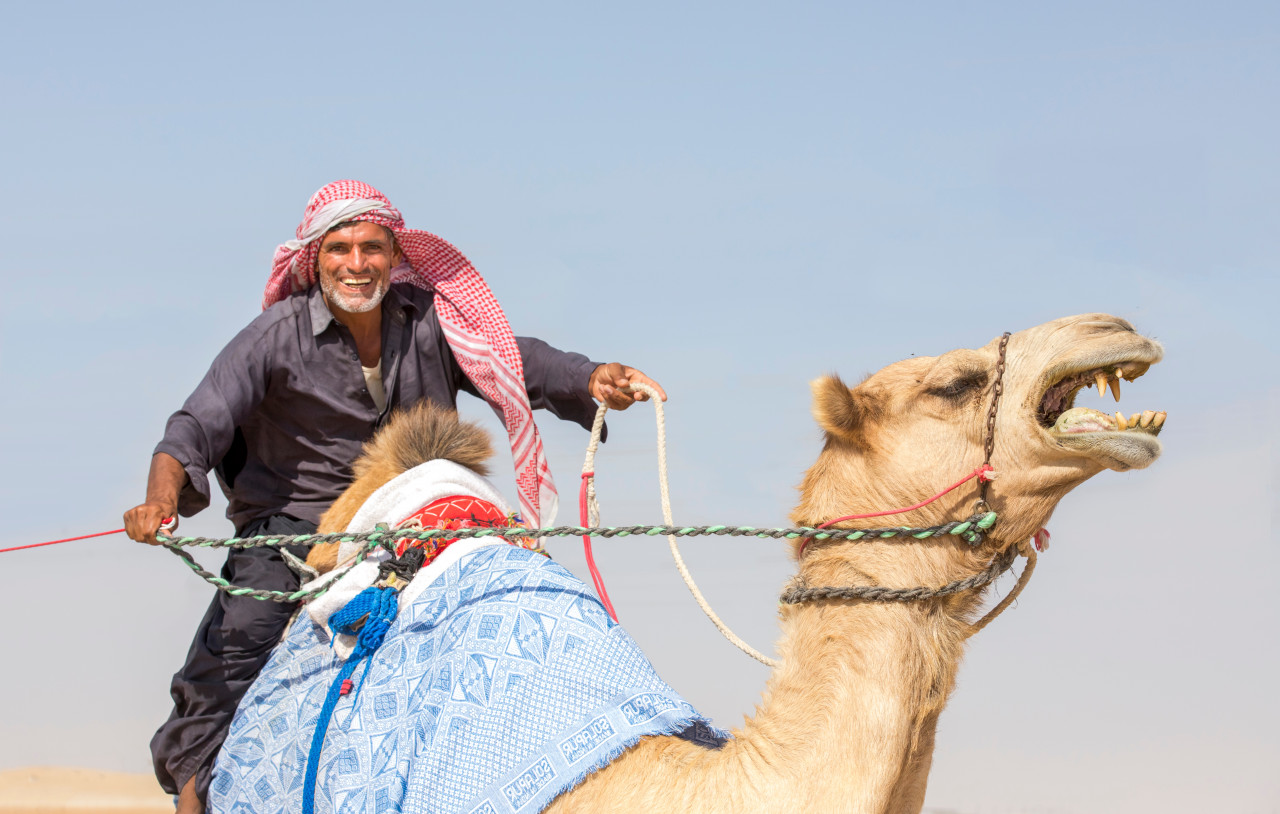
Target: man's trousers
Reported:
[(230, 648)]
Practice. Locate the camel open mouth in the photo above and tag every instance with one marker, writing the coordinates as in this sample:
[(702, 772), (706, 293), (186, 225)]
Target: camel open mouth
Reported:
[(1114, 441)]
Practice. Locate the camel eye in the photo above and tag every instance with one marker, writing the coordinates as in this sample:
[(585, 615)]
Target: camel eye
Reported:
[(961, 387)]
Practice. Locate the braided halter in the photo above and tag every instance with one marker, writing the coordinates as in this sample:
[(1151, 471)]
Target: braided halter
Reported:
[(800, 593)]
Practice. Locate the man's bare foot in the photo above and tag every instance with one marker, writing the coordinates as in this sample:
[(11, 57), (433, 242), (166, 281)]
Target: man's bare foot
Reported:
[(188, 802)]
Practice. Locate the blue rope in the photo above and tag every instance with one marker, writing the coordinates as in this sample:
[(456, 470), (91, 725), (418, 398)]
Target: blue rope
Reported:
[(368, 617)]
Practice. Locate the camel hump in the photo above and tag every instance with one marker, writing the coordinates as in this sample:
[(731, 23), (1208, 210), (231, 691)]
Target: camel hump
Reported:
[(426, 432)]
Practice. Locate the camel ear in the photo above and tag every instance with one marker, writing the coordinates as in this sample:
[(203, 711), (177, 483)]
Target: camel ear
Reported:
[(836, 409)]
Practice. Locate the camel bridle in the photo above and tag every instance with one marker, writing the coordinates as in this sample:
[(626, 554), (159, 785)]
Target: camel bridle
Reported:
[(997, 390), (799, 592)]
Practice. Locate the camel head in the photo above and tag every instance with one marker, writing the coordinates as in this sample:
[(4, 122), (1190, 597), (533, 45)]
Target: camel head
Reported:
[(917, 426)]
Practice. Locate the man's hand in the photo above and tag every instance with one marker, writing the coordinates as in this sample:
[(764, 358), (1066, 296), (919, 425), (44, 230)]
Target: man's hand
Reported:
[(143, 521), (607, 381), (164, 482)]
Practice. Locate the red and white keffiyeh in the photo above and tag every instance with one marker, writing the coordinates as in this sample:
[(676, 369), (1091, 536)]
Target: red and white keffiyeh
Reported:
[(473, 322)]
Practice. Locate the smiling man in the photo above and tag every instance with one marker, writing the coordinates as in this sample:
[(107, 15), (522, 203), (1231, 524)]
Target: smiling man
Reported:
[(398, 316)]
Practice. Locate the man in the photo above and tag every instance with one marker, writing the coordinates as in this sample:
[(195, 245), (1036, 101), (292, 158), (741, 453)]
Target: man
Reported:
[(398, 316)]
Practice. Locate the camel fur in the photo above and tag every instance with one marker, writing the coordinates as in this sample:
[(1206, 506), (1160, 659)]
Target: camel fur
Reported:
[(421, 433), (848, 717)]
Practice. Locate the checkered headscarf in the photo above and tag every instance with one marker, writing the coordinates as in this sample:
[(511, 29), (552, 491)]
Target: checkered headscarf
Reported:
[(469, 314)]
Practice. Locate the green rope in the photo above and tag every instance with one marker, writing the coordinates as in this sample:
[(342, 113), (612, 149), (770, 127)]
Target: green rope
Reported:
[(971, 531), (175, 545)]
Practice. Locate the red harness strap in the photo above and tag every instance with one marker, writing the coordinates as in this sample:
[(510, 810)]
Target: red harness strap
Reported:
[(983, 473)]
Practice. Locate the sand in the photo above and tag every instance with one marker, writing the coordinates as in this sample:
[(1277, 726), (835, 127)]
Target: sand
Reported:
[(46, 790)]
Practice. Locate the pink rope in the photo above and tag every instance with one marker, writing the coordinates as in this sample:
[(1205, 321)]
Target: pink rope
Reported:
[(586, 547), (982, 473), (166, 525), (55, 542)]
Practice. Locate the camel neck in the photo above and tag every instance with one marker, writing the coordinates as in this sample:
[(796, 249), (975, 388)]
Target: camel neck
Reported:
[(852, 708)]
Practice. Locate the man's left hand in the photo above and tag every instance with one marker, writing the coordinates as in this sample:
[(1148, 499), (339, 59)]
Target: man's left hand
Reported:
[(607, 381)]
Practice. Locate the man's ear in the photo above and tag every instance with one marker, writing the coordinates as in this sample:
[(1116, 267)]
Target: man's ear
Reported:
[(836, 408), (397, 254)]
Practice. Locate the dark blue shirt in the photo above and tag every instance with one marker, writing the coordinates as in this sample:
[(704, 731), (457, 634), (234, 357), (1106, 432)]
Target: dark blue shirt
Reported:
[(283, 411)]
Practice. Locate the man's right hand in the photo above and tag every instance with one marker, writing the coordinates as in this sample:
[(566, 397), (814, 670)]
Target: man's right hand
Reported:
[(164, 483), (143, 521)]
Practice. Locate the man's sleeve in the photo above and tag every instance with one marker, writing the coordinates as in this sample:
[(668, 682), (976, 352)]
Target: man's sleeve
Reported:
[(556, 381), (200, 434)]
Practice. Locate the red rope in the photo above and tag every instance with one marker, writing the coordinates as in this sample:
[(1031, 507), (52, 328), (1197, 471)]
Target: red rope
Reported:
[(586, 547), (975, 473), (55, 542), (981, 472)]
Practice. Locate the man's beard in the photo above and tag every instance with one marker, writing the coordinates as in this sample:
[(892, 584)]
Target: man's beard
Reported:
[(339, 299)]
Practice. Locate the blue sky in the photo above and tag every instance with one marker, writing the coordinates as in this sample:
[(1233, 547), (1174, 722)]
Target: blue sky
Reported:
[(736, 198)]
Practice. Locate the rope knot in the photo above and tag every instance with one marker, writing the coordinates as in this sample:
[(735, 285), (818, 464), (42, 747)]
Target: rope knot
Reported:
[(405, 567), (368, 617), (1041, 539)]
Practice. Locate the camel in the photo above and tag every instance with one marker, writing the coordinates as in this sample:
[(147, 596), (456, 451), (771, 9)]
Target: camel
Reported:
[(848, 717)]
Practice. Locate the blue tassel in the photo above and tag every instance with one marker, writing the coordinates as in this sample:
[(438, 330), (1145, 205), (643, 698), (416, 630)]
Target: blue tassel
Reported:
[(368, 617)]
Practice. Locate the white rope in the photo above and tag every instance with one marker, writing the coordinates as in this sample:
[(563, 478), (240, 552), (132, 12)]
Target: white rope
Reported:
[(1027, 550), (593, 513), (298, 565)]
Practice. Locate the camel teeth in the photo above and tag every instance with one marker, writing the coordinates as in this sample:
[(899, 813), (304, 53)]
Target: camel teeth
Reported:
[(1147, 417), (1119, 374), (1115, 389), (1121, 422), (1101, 379), (1133, 420), (1158, 421)]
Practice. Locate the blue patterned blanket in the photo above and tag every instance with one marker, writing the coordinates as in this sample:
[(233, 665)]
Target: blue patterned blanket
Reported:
[(501, 686)]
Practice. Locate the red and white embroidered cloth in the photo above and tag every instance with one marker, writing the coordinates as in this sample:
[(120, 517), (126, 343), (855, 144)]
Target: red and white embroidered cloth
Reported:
[(473, 322), (457, 512)]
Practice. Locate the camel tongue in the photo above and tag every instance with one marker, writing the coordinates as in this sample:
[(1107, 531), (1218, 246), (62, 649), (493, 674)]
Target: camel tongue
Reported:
[(1083, 419)]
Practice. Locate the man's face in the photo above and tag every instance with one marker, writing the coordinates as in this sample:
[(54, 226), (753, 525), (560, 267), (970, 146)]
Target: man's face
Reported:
[(354, 266)]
